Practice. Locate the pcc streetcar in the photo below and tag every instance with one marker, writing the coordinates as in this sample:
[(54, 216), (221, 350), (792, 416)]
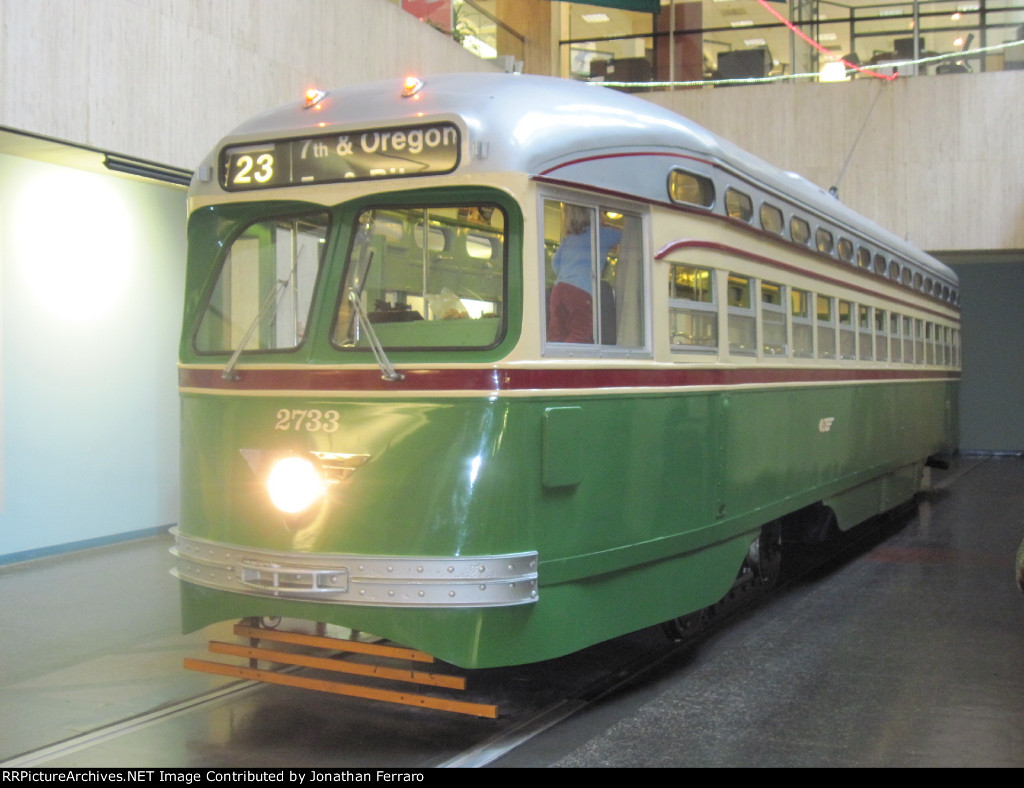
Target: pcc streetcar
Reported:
[(501, 366)]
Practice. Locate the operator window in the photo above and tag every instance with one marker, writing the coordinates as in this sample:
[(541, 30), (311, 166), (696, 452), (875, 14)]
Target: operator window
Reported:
[(593, 276), (264, 290)]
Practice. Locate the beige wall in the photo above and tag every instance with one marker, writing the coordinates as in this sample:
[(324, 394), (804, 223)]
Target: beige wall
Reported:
[(940, 161), (164, 79)]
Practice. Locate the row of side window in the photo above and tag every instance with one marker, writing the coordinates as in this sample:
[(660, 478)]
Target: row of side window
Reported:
[(773, 320), (690, 188)]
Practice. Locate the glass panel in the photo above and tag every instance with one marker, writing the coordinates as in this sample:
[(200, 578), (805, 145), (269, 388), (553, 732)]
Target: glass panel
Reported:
[(693, 315), (866, 345), (803, 328), (908, 340), (265, 286), (799, 230), (426, 277), (895, 345), (581, 262), (738, 205), (847, 337), (846, 249), (823, 240), (742, 325), (771, 218), (863, 257), (881, 335), (686, 187), (826, 327), (773, 318)]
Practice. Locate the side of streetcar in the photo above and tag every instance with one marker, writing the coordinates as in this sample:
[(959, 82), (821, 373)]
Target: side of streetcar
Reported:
[(494, 485)]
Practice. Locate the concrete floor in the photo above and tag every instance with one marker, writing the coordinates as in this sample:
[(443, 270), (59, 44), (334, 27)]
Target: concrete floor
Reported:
[(907, 652)]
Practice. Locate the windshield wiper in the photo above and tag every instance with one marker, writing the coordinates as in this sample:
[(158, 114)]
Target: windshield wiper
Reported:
[(386, 367), (272, 299)]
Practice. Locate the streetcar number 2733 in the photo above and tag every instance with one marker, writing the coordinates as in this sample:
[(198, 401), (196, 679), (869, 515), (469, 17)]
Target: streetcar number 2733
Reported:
[(311, 420)]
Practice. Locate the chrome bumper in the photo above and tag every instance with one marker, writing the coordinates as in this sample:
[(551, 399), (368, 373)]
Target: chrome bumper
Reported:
[(463, 581)]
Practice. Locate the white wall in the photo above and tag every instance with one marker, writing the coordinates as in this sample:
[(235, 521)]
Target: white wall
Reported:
[(164, 79), (91, 286), (940, 161)]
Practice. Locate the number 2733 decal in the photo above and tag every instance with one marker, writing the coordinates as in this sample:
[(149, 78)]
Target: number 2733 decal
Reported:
[(311, 420)]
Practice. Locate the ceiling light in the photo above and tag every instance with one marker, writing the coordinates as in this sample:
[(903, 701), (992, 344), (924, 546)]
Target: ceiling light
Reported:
[(596, 18)]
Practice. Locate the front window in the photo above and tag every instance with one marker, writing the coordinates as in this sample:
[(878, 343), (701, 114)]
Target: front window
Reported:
[(425, 277), (265, 288)]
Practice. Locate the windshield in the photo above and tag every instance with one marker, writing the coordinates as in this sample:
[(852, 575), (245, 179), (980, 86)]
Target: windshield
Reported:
[(265, 288), (425, 278)]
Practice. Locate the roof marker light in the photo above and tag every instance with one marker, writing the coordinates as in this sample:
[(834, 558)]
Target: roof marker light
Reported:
[(411, 86), (314, 97)]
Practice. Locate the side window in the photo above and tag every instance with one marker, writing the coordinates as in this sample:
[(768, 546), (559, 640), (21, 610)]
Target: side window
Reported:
[(738, 205), (593, 275), (693, 309), (895, 345), (803, 325), (847, 337), (881, 335), (826, 327), (742, 324), (864, 326), (773, 318)]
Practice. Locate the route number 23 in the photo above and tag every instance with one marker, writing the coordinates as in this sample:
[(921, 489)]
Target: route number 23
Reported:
[(261, 170)]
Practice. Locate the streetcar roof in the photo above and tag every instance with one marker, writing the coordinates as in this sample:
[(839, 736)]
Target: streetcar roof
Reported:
[(545, 126)]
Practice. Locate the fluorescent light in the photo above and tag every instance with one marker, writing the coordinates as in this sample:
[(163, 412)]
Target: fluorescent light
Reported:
[(743, 23), (596, 18)]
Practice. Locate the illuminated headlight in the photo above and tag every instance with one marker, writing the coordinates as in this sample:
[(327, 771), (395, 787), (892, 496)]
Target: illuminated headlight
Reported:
[(295, 484)]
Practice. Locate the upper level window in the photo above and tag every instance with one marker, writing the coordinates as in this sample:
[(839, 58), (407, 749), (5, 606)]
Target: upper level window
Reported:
[(593, 275), (738, 205), (771, 218), (880, 264), (262, 297), (863, 257), (424, 277), (690, 188), (799, 230), (845, 248), (823, 240), (693, 311)]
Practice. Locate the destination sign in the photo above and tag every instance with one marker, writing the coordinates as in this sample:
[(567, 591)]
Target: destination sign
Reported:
[(398, 152)]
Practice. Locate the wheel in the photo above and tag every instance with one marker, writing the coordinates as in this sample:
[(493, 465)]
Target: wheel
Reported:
[(686, 627), (766, 555)]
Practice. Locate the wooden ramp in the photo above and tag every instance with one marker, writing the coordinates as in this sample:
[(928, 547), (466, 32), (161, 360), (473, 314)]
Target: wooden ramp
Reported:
[(378, 663)]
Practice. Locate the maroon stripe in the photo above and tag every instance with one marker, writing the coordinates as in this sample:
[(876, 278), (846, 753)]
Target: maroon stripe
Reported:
[(496, 380)]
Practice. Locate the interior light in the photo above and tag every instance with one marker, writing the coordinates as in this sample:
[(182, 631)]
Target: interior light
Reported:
[(295, 484), (314, 97), (411, 86), (596, 19)]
